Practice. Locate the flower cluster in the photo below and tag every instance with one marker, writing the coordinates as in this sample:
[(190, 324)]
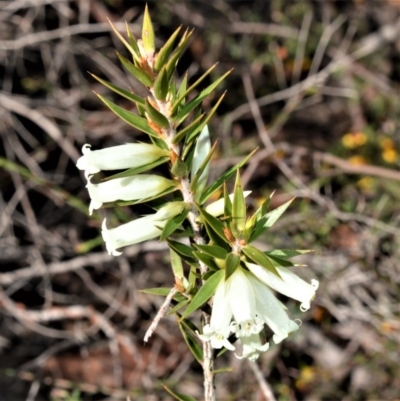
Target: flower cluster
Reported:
[(130, 187), (244, 303)]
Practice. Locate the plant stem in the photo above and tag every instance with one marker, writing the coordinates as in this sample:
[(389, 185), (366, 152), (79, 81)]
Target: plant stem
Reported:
[(208, 356)]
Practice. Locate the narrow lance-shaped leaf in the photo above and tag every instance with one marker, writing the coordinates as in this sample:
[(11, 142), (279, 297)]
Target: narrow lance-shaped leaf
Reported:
[(133, 43), (287, 253), (122, 39), (176, 395), (231, 264), (259, 258), (181, 115), (137, 170), (207, 260), (136, 71), (227, 203), (177, 53), (225, 177), (130, 118), (269, 219), (213, 250), (126, 94), (213, 222), (193, 134), (205, 293), (165, 51), (192, 343), (148, 32), (191, 88), (239, 205), (176, 264), (173, 224), (181, 134), (156, 116), (161, 85)]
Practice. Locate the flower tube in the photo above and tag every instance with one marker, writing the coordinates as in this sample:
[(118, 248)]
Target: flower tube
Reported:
[(290, 284), (136, 187), (120, 157), (135, 231)]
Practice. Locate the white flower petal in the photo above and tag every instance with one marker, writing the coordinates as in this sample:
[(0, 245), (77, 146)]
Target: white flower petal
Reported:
[(128, 188), (252, 347), (171, 209), (290, 285), (118, 157), (270, 310), (135, 231)]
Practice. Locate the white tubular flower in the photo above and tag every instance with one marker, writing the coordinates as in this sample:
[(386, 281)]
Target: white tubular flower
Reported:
[(119, 157), (136, 187), (270, 310), (135, 231), (242, 301), (290, 285), (219, 328), (252, 347)]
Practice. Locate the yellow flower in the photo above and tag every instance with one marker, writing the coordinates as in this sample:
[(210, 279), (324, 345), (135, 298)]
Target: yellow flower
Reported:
[(365, 183), (387, 143), (353, 140), (357, 160), (389, 155)]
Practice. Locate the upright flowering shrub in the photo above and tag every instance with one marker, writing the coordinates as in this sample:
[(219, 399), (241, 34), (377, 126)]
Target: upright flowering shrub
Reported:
[(217, 266)]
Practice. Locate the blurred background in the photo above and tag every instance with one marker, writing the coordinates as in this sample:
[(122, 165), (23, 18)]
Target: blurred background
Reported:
[(315, 86)]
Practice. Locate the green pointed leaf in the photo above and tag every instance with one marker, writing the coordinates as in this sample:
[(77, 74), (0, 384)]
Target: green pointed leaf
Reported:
[(163, 292), (249, 227), (287, 253), (259, 258), (206, 162), (238, 205), (181, 249), (268, 220), (165, 51), (156, 116), (148, 32), (132, 119), (207, 260), (205, 293), (192, 343), (213, 222), (177, 53), (176, 395), (161, 85), (179, 168), (193, 134), (225, 177), (137, 170), (275, 214), (176, 264), (131, 49), (127, 95), (187, 130), (182, 87), (178, 307), (190, 89), (133, 43), (136, 71), (213, 251), (158, 142), (281, 262), (172, 224), (227, 203), (182, 114), (231, 264)]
